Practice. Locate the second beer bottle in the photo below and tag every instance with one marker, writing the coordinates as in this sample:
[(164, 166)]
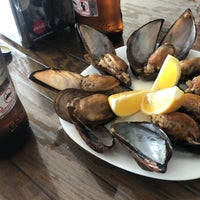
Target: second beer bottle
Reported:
[(103, 15)]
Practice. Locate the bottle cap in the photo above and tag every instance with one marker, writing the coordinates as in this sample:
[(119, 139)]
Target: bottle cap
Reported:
[(5, 50)]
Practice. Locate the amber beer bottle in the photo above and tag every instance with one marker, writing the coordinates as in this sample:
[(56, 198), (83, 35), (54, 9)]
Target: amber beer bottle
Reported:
[(14, 124), (103, 15)]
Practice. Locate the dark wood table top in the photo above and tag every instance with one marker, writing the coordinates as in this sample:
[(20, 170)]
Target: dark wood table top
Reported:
[(51, 165)]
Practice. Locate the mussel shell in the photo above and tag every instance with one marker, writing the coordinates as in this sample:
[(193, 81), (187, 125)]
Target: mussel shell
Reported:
[(188, 146), (58, 79), (95, 42), (147, 143), (62, 100), (182, 34), (148, 77), (34, 79), (142, 43), (98, 138)]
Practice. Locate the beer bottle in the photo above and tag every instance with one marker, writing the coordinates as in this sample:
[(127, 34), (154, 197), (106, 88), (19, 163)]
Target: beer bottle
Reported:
[(14, 125), (103, 15)]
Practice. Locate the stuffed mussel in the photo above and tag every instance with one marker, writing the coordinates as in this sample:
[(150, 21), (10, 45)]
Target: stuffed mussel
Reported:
[(141, 44), (61, 79), (102, 55), (88, 112), (182, 126), (146, 53)]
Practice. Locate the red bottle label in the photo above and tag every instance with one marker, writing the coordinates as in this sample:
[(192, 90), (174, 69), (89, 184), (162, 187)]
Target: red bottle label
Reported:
[(87, 8), (8, 97), (39, 27)]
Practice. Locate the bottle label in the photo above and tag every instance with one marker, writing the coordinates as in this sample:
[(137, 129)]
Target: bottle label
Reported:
[(8, 95), (86, 8)]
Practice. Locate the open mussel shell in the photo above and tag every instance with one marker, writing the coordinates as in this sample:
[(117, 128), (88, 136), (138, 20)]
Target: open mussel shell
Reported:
[(68, 106), (147, 143), (95, 42), (182, 34), (142, 43), (99, 138), (58, 79)]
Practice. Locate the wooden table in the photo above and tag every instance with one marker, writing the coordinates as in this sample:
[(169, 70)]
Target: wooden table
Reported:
[(51, 165)]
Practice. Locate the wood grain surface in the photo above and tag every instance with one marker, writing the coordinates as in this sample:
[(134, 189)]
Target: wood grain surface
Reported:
[(51, 165)]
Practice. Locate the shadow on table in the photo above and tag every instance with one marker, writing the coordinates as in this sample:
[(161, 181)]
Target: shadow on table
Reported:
[(118, 183), (29, 160)]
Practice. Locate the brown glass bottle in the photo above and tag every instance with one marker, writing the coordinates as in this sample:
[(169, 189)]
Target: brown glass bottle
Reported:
[(103, 15), (14, 124)]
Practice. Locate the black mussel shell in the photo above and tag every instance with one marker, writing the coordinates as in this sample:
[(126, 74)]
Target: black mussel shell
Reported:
[(63, 99), (95, 42), (142, 43), (147, 143), (182, 34), (99, 138), (192, 147), (148, 76)]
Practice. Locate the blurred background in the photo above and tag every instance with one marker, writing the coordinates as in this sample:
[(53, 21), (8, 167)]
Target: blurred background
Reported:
[(131, 19)]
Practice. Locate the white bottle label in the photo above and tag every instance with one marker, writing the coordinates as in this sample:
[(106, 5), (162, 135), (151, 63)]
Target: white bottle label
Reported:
[(8, 95), (86, 8)]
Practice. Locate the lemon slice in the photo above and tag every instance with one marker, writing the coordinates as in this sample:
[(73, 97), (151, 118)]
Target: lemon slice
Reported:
[(168, 75), (162, 101), (126, 103)]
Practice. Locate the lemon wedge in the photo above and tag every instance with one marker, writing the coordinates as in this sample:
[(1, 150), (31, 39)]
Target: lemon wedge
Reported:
[(162, 101), (126, 103), (168, 75)]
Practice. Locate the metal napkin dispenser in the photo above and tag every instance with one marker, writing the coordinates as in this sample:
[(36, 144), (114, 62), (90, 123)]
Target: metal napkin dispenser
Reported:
[(37, 18)]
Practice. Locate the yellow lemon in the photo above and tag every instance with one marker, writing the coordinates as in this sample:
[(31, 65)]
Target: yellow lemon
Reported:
[(126, 103), (168, 75), (162, 101)]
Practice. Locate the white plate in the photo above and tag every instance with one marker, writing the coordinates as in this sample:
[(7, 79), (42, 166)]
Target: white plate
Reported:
[(182, 166)]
